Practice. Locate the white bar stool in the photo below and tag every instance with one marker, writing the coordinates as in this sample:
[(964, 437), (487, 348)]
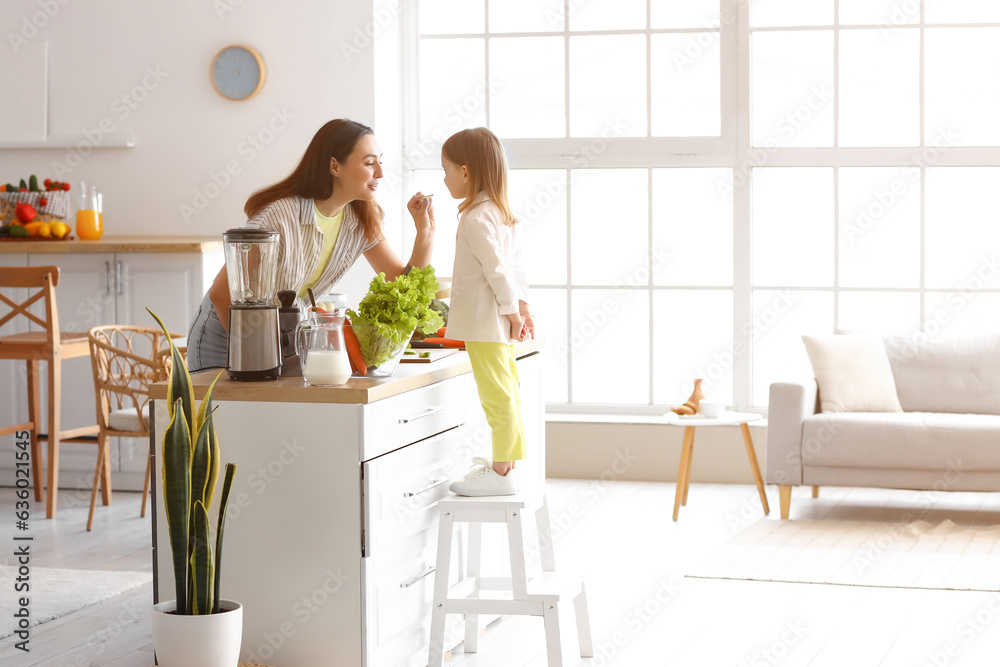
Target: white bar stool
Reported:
[(558, 600)]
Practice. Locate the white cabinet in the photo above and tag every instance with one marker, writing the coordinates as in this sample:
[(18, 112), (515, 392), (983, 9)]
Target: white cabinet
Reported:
[(170, 284), (331, 530), (96, 289)]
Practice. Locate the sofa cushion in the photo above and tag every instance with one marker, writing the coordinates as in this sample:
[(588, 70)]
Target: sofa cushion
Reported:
[(947, 374), (902, 440), (853, 373)]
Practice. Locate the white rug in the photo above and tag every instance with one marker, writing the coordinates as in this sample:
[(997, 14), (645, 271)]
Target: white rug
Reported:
[(897, 555), (55, 592)]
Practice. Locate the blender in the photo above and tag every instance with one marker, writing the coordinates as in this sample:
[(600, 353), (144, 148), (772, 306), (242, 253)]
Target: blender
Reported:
[(251, 262)]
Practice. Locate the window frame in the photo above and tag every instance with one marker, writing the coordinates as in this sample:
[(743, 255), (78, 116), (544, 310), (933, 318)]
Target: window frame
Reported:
[(733, 149)]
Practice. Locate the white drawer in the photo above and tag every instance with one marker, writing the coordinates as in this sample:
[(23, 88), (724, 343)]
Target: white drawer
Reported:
[(401, 488), (399, 590), (414, 415)]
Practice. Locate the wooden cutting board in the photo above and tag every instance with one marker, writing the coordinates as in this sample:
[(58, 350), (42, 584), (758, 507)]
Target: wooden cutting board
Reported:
[(435, 355)]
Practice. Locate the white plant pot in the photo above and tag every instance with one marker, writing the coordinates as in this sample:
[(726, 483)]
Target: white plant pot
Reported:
[(210, 640)]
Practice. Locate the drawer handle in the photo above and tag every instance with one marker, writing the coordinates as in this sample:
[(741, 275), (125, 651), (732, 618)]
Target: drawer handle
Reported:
[(412, 580), (426, 413), (435, 483)]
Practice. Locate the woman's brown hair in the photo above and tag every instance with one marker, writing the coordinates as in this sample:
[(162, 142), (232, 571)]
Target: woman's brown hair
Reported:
[(312, 179), (481, 152)]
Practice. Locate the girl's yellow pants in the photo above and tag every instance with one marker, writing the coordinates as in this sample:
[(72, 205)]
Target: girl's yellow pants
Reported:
[(495, 369)]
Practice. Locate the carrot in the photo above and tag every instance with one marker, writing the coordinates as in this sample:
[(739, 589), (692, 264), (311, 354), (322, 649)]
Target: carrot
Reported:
[(354, 349), (441, 332), (447, 342), (354, 366)]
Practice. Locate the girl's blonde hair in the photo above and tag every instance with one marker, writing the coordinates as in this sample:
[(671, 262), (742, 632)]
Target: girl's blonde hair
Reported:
[(479, 151)]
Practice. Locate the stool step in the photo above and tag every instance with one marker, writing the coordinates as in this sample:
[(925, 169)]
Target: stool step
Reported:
[(527, 501), (549, 586)]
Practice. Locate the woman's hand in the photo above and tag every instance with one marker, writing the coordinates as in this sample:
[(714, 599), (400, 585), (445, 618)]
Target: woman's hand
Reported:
[(422, 210)]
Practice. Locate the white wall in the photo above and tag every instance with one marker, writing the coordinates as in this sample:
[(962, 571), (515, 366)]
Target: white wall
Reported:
[(320, 65)]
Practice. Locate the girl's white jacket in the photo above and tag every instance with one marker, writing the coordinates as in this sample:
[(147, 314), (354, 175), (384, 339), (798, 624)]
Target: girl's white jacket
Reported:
[(488, 278)]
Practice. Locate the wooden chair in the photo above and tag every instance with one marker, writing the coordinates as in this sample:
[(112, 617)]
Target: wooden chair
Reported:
[(49, 345), (126, 360)]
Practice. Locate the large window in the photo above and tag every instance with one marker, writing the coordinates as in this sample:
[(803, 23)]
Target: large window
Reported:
[(701, 182)]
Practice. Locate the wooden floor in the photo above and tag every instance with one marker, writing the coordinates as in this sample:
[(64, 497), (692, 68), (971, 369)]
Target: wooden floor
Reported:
[(644, 612)]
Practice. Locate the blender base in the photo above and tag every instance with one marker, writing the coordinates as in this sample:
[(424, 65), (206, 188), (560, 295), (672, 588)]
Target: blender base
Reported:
[(252, 376)]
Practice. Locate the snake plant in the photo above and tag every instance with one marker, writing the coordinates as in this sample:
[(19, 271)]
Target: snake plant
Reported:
[(190, 472)]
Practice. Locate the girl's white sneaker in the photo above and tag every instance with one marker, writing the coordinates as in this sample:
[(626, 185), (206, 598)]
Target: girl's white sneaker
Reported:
[(483, 480)]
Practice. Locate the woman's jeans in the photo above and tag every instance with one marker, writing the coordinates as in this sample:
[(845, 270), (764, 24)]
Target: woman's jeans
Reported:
[(208, 342)]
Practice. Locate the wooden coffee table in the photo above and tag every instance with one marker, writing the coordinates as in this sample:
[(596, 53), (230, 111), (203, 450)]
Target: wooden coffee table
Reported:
[(740, 419)]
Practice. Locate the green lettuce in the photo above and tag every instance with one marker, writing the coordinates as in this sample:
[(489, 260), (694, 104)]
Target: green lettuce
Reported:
[(395, 309)]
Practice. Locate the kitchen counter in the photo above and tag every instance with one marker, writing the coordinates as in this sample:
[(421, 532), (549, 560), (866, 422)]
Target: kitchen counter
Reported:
[(331, 528), (358, 390), (116, 244)]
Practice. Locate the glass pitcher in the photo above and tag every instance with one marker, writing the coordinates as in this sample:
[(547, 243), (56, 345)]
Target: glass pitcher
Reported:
[(319, 342)]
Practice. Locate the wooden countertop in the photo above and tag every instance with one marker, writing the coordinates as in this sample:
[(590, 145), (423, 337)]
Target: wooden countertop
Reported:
[(116, 244), (357, 390)]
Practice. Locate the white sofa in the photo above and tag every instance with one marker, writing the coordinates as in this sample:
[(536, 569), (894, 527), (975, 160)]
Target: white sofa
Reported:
[(947, 438)]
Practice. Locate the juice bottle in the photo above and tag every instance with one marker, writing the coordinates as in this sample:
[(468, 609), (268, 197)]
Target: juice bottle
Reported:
[(88, 221)]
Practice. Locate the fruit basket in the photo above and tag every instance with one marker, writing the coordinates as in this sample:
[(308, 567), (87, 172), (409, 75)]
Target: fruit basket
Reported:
[(56, 207)]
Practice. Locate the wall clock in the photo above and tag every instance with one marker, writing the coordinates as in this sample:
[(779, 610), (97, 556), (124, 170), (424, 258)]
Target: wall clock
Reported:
[(237, 72)]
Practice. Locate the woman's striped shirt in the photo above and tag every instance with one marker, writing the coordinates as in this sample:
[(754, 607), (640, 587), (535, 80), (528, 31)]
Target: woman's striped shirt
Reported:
[(301, 242)]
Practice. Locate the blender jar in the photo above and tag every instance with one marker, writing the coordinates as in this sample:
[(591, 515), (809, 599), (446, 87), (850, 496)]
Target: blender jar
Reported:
[(251, 262)]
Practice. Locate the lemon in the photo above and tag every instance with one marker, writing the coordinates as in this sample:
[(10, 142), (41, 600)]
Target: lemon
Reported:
[(45, 230), (60, 229)]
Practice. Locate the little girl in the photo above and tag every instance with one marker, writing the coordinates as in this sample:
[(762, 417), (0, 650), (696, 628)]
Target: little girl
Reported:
[(488, 300)]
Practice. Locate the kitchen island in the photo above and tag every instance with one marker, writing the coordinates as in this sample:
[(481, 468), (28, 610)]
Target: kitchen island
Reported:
[(331, 530)]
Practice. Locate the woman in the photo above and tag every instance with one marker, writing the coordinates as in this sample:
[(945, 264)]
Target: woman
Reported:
[(326, 216)]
